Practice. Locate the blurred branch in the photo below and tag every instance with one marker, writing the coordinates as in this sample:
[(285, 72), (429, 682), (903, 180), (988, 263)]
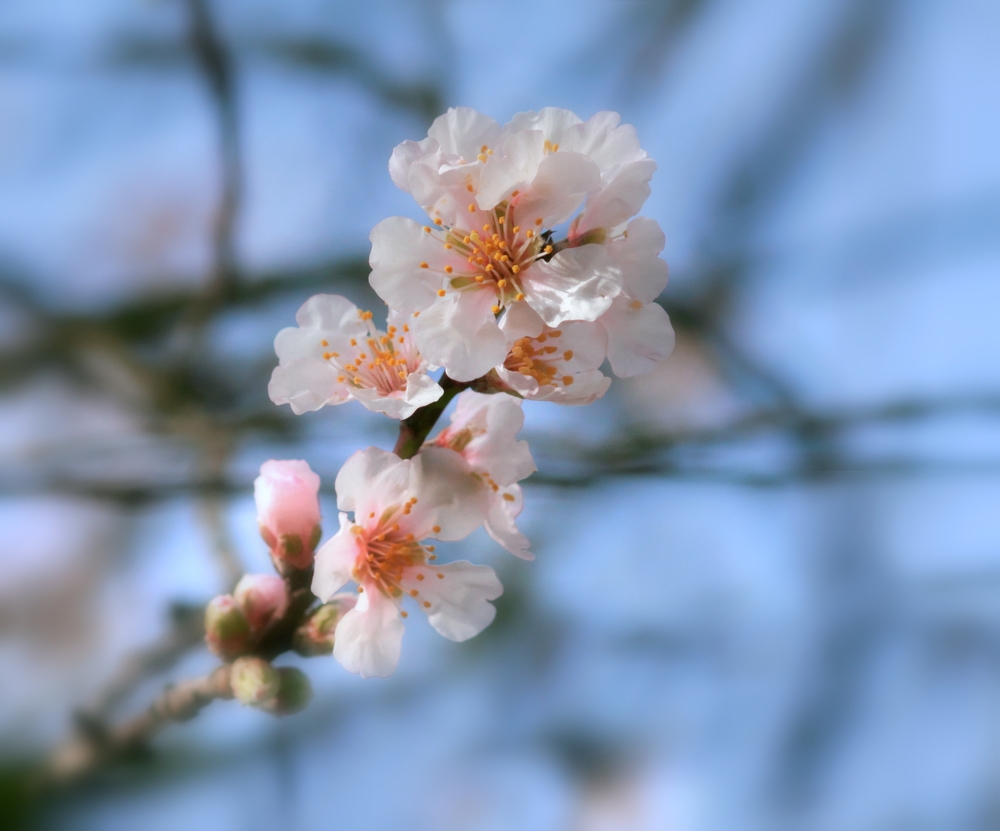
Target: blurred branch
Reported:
[(216, 66), (87, 752)]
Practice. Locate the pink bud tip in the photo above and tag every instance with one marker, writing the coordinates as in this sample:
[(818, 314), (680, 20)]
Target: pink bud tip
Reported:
[(286, 493), (262, 599)]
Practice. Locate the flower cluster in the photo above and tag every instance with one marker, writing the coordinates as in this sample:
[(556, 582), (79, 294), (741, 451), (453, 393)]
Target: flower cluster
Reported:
[(530, 275)]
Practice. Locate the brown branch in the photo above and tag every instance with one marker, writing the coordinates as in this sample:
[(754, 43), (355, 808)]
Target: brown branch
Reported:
[(87, 752), (413, 430)]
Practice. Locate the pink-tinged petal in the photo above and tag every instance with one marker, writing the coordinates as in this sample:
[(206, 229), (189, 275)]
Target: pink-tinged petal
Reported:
[(307, 384), (514, 168), (576, 284), (505, 507), (524, 385), (552, 122), (521, 321), (420, 391), (335, 561), (442, 190), (586, 388), (262, 598), (459, 332), (399, 246), (587, 342), (639, 336), (462, 131), (559, 187), (451, 501), (607, 142), (644, 274), (372, 480), (330, 312), (286, 495), (619, 197), (493, 422), (403, 157), (459, 606), (369, 637)]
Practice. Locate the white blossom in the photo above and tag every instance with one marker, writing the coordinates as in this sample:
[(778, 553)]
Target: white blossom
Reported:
[(336, 354), (397, 505)]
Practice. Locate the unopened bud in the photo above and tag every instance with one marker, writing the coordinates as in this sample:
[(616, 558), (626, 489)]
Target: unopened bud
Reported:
[(315, 636), (294, 693), (254, 681), (263, 599), (226, 629), (286, 493)]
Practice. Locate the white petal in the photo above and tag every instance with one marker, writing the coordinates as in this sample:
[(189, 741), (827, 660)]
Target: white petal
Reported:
[(330, 312), (554, 123), (496, 420), (307, 384), (459, 600), (501, 525), (587, 341), (420, 391), (521, 321), (512, 169), (558, 188), (335, 561), (369, 637), (449, 497), (586, 388), (608, 143), (463, 131), (403, 157), (371, 480), (576, 284), (644, 274), (639, 336), (460, 333), (399, 245), (619, 197)]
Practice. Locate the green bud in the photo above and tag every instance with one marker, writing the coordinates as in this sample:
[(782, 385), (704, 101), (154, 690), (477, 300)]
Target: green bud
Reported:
[(254, 681), (315, 636), (294, 693), (226, 629)]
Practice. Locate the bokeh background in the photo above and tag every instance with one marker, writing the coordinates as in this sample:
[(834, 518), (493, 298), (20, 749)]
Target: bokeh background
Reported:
[(767, 593)]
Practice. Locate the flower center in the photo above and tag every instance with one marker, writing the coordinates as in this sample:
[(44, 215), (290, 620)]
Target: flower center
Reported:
[(496, 254), (538, 359), (382, 361)]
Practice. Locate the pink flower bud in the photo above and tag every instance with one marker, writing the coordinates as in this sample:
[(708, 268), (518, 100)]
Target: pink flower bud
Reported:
[(262, 599), (226, 629), (288, 510), (294, 693), (315, 636), (254, 681)]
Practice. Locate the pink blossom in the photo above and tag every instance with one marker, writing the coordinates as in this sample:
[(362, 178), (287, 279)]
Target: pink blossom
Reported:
[(286, 493), (483, 431), (397, 505), (336, 354)]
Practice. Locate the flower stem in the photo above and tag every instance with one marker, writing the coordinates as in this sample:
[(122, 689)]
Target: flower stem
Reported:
[(413, 430)]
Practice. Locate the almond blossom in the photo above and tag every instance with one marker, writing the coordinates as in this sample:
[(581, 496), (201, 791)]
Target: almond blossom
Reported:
[(397, 505), (493, 195), (336, 354), (287, 497), (483, 431)]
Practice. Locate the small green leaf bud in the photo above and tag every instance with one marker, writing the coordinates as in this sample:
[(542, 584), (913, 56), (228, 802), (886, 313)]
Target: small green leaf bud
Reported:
[(254, 681), (226, 629)]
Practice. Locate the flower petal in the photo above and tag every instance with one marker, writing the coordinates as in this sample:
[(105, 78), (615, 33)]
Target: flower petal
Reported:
[(500, 524), (558, 188), (460, 333), (368, 638), (459, 606), (462, 131), (576, 284), (399, 246), (620, 196), (371, 480), (404, 155), (451, 502), (644, 274), (639, 336), (514, 168), (335, 561), (307, 384)]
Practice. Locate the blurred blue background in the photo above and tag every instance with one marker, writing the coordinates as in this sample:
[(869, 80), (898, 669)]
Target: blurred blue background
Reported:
[(767, 593)]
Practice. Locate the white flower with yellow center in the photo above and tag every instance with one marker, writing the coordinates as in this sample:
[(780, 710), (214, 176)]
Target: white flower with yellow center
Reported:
[(397, 506), (336, 354)]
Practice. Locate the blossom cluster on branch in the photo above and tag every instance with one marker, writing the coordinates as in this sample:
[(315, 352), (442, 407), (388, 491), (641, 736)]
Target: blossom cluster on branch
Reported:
[(531, 273)]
